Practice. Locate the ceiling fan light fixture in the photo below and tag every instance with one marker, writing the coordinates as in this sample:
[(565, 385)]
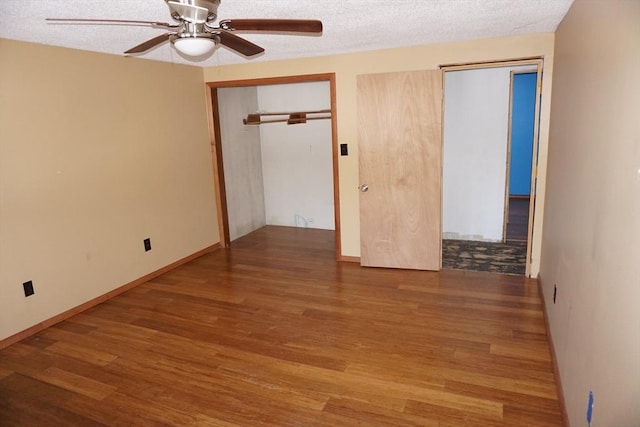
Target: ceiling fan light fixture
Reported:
[(194, 46)]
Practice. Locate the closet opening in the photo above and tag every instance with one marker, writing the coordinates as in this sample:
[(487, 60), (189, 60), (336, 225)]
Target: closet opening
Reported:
[(275, 155)]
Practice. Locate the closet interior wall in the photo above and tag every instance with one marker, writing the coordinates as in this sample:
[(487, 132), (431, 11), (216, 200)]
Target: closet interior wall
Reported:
[(275, 173)]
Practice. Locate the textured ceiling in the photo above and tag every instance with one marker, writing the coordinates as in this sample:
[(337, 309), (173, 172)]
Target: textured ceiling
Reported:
[(349, 25)]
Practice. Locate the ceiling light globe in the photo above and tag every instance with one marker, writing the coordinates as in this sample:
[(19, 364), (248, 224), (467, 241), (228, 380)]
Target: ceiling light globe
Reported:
[(192, 46)]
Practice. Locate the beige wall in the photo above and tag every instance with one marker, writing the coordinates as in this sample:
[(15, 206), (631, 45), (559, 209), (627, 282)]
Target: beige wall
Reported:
[(348, 66), (97, 152), (592, 218)]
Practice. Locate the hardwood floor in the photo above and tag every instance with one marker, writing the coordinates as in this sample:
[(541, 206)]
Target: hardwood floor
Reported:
[(274, 332), (518, 223)]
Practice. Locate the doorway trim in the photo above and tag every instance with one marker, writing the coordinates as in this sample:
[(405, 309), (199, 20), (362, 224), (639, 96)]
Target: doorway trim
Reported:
[(538, 62), (213, 118)]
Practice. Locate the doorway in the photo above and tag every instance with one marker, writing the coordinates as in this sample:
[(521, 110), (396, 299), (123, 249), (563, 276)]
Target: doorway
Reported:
[(521, 134), (477, 165), (257, 163)]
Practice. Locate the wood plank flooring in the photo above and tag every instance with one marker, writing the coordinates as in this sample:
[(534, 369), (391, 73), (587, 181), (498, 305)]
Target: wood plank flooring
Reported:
[(274, 332), (518, 222)]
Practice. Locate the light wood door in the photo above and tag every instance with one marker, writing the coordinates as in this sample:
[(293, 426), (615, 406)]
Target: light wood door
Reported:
[(400, 159)]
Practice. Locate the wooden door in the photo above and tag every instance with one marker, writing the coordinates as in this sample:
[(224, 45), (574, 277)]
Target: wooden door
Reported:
[(400, 159)]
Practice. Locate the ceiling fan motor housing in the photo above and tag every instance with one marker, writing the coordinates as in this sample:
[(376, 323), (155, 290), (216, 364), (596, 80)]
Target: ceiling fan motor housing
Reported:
[(194, 11)]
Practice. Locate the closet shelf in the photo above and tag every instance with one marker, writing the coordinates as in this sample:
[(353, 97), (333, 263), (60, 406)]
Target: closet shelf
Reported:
[(290, 118)]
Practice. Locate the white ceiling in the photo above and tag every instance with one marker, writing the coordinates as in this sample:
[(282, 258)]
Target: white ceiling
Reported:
[(349, 25)]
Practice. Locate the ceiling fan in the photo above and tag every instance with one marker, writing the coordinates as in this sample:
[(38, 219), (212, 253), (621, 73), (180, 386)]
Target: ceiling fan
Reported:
[(195, 33)]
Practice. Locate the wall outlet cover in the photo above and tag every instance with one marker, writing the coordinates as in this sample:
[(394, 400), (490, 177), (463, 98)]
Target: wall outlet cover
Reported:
[(28, 288), (147, 244)]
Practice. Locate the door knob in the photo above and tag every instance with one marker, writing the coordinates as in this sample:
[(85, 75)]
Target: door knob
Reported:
[(364, 188)]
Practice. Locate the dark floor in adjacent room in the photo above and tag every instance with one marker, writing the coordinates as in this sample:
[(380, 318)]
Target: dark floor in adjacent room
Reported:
[(509, 257), (502, 257), (518, 224)]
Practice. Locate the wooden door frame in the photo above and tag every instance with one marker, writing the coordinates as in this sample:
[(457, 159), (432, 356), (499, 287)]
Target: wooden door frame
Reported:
[(213, 118), (539, 63)]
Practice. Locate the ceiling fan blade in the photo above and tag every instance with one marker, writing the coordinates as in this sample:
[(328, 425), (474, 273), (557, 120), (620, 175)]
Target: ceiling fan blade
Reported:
[(239, 44), (110, 21), (312, 26), (143, 47)]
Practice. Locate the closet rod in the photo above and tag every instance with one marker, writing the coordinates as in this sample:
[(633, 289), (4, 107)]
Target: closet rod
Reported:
[(293, 112), (288, 121)]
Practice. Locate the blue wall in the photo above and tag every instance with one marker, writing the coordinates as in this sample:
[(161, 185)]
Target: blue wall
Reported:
[(522, 124)]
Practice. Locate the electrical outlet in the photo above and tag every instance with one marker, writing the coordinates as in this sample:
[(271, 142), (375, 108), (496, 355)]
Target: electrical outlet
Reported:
[(28, 288), (147, 244), (555, 292), (344, 150)]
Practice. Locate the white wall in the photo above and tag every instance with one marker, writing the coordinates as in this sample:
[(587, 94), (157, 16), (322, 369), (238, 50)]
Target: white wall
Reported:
[(476, 123), (242, 161), (590, 246), (297, 159)]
